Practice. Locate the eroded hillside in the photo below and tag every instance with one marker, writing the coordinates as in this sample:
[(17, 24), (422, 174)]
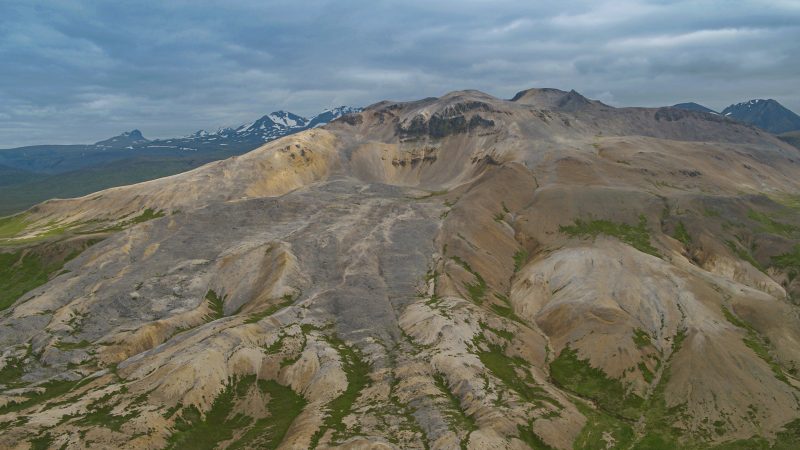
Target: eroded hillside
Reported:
[(543, 272)]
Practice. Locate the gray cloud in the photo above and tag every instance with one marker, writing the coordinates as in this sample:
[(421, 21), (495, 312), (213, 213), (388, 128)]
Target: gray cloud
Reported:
[(80, 71)]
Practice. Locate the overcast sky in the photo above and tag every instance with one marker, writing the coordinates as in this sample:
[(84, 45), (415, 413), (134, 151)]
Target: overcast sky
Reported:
[(81, 71)]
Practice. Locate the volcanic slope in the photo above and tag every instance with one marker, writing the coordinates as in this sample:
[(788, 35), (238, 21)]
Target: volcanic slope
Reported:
[(455, 272)]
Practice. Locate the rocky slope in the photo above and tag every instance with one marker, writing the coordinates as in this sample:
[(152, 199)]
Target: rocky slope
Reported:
[(463, 271)]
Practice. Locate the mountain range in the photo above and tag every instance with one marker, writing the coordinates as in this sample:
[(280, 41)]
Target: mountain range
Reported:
[(769, 115), (32, 174), (466, 271)]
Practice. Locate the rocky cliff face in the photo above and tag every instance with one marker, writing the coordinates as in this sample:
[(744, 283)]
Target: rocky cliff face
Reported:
[(545, 272)]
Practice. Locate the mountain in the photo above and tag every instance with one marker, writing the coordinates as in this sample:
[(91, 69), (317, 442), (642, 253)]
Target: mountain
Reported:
[(692, 106), (769, 115), (329, 115), (454, 272), (272, 126), (127, 139), (46, 171)]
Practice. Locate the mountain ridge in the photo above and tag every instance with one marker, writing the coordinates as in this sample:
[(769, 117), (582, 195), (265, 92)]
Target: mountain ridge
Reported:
[(47, 171)]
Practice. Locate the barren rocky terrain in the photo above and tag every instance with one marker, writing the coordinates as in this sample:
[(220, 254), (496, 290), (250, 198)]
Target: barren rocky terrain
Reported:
[(455, 272)]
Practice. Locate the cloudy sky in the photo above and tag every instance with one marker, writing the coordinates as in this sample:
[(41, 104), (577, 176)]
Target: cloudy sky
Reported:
[(80, 71)]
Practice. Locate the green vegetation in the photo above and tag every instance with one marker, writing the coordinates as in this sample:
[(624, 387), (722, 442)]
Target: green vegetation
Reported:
[(357, 371), (578, 376), (598, 426), (636, 236), (477, 289), (503, 334), (506, 309), (52, 389), (12, 372), (744, 254), (21, 271), (99, 413), (268, 433), (507, 369), (194, 431), (646, 373), (12, 225), (286, 300), (681, 234), (754, 341), (147, 214), (520, 258), (215, 305), (770, 225), (527, 436), (641, 338), (789, 261), (659, 433), (456, 416), (791, 201), (42, 442), (787, 439)]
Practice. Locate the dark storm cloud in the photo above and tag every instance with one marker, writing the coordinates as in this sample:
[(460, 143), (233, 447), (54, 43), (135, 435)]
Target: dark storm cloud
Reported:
[(81, 71)]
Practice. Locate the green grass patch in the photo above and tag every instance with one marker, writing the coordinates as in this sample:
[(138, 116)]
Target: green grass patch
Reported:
[(507, 369), (458, 419), (789, 261), (646, 373), (641, 338), (503, 334), (600, 425), (578, 376), (286, 300), (520, 258), (357, 371), (530, 438), (636, 236), (506, 309), (193, 430), (216, 306), (771, 225), (786, 439), (52, 389), (477, 289), (284, 406), (12, 225), (791, 201), (744, 254), (100, 414), (681, 234), (22, 271), (755, 342), (42, 442), (12, 372), (147, 214)]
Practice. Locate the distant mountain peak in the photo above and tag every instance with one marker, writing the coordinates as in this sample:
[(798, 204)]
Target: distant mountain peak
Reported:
[(134, 134), (125, 139), (767, 114), (329, 115)]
